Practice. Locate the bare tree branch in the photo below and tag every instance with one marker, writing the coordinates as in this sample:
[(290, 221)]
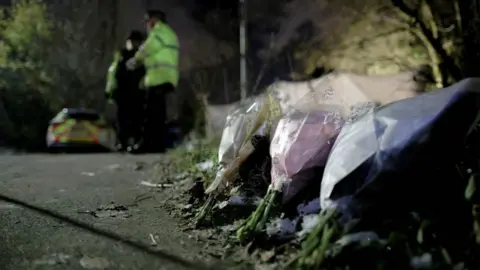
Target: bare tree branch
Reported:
[(437, 45)]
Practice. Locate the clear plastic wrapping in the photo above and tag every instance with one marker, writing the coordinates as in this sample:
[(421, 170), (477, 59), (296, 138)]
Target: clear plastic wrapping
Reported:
[(255, 119), (302, 143), (391, 157)]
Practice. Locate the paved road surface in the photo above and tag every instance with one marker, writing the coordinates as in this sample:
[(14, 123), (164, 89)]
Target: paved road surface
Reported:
[(73, 183)]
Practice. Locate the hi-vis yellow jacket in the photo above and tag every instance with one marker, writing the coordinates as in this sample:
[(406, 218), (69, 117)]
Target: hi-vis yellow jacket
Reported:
[(111, 79), (159, 54)]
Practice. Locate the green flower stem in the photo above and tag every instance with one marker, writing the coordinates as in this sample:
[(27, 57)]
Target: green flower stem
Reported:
[(258, 219), (206, 208), (314, 247)]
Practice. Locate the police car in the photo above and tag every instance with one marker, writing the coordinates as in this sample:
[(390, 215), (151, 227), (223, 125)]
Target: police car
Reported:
[(79, 129)]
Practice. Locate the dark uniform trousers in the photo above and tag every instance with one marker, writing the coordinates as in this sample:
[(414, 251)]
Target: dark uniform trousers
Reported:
[(130, 112), (155, 129), (130, 100)]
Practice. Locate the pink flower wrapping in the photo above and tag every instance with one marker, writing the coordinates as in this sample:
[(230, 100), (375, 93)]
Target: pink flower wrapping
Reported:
[(302, 142)]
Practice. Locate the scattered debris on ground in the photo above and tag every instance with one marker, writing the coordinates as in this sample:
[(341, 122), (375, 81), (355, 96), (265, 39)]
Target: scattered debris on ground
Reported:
[(153, 240), (53, 259), (114, 167), (331, 185), (139, 166), (112, 210), (150, 184), (88, 262), (8, 206)]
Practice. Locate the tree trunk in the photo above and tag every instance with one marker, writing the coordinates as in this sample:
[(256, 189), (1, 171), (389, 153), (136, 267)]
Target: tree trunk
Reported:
[(447, 60), (469, 15)]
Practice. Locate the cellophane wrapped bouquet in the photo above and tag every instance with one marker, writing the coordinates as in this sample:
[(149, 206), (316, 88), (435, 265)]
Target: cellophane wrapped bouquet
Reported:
[(254, 119), (301, 144)]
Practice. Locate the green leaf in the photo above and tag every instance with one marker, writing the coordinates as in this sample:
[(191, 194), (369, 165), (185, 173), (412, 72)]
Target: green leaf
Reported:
[(471, 188)]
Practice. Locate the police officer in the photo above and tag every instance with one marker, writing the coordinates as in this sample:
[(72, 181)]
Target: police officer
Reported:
[(159, 54), (124, 88)]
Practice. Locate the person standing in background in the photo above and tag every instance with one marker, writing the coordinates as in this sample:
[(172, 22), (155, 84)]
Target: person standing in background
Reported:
[(160, 56), (124, 87)]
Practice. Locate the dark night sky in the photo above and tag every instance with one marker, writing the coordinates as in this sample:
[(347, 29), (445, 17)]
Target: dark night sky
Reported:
[(221, 4), (204, 6), (281, 69)]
